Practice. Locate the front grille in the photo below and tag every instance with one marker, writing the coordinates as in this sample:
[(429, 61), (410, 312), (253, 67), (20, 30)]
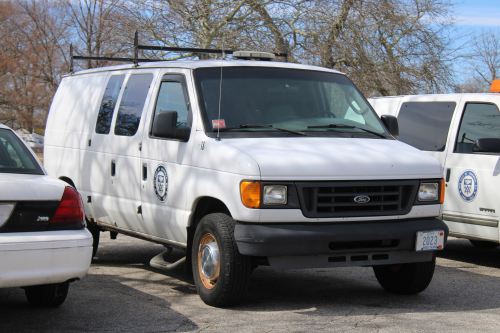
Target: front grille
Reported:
[(336, 199)]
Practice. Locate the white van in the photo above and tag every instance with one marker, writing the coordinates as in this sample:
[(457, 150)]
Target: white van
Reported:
[(462, 131), (243, 163)]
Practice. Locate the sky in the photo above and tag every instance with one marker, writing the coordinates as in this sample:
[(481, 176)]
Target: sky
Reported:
[(478, 13)]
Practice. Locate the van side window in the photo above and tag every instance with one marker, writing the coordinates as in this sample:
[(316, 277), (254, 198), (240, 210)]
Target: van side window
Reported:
[(425, 125), (479, 121), (108, 103), (171, 98), (132, 104)]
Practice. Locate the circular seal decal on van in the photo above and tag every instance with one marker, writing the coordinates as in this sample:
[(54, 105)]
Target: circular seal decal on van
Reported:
[(161, 183), (467, 185)]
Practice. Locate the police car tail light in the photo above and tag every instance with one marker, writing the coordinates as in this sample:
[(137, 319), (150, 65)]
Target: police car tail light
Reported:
[(250, 194), (275, 195), (70, 207), (441, 197), (428, 192)]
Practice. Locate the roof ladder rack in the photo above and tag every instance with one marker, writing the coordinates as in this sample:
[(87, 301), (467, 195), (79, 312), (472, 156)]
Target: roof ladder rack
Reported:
[(138, 47)]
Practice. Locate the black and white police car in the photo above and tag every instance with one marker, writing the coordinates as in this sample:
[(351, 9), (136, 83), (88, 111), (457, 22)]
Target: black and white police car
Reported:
[(44, 244)]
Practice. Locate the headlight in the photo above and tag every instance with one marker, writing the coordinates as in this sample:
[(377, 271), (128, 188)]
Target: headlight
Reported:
[(275, 195), (428, 192)]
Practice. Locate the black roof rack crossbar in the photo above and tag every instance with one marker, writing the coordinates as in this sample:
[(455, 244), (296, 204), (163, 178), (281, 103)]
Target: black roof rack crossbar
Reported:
[(193, 50), (138, 47)]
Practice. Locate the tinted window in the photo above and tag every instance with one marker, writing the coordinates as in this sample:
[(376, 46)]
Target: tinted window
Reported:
[(132, 103), (425, 125), (15, 157), (478, 121), (108, 104), (171, 98), (301, 100)]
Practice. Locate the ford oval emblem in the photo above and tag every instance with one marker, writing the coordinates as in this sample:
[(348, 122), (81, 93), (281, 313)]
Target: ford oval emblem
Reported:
[(361, 199)]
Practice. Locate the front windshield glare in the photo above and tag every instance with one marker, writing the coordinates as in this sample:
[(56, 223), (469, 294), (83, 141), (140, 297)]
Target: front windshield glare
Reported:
[(299, 100)]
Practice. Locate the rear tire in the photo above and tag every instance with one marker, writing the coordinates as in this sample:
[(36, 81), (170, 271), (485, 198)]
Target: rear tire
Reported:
[(47, 295), (225, 283), (95, 230), (405, 279), (484, 244)]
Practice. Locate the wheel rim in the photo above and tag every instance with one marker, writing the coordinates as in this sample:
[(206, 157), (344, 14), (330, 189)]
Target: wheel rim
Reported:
[(208, 261)]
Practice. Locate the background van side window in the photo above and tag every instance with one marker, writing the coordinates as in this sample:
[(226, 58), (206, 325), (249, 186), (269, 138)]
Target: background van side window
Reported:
[(425, 125), (478, 121), (132, 104), (108, 103), (172, 98)]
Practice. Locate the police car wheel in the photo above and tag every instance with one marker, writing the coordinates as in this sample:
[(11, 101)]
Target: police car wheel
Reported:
[(484, 244), (405, 279), (47, 295), (221, 273)]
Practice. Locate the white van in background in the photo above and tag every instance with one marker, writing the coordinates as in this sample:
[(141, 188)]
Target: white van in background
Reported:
[(243, 163), (462, 131)]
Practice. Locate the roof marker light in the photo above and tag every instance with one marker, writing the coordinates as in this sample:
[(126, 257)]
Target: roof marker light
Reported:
[(495, 86), (253, 55)]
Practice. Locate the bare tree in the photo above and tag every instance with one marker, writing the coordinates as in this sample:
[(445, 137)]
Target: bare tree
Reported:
[(485, 59), (194, 23), (399, 47), (101, 28), (32, 62)]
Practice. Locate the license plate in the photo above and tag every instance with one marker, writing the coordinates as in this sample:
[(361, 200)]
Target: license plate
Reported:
[(429, 240)]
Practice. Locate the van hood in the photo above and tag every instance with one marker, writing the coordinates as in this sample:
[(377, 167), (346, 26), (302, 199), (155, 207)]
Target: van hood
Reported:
[(337, 159)]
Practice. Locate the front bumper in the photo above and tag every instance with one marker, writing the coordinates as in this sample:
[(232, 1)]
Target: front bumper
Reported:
[(300, 245), (34, 258)]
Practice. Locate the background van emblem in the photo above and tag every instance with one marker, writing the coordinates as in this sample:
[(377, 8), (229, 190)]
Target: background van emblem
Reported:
[(161, 183), (361, 199), (467, 185)]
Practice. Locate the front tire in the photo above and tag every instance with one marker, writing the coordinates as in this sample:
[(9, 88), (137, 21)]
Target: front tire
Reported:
[(484, 244), (221, 273), (405, 279), (47, 295)]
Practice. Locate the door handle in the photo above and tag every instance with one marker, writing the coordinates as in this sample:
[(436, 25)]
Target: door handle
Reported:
[(144, 171), (113, 168), (448, 172)]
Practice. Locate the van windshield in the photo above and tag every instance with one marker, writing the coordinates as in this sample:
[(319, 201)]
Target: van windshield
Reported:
[(311, 102)]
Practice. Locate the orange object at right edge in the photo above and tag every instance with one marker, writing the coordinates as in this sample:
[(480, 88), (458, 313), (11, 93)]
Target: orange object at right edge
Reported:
[(495, 86)]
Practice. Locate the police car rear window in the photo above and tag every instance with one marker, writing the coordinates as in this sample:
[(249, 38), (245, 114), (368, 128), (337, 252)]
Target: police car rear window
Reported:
[(425, 125), (132, 104), (15, 157)]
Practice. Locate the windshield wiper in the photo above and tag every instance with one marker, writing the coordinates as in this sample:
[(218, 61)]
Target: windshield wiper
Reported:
[(348, 126), (256, 126)]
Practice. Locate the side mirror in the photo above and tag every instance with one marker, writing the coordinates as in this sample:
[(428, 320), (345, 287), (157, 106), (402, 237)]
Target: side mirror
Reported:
[(165, 127), (486, 145), (391, 123)]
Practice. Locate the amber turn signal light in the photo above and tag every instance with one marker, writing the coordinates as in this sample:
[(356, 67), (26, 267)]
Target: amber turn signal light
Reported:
[(441, 197), (250, 194)]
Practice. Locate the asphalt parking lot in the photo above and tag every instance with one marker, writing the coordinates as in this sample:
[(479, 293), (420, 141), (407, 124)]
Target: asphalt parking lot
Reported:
[(122, 293)]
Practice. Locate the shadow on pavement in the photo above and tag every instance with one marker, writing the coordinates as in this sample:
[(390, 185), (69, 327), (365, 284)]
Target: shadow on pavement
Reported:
[(462, 250), (105, 302)]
